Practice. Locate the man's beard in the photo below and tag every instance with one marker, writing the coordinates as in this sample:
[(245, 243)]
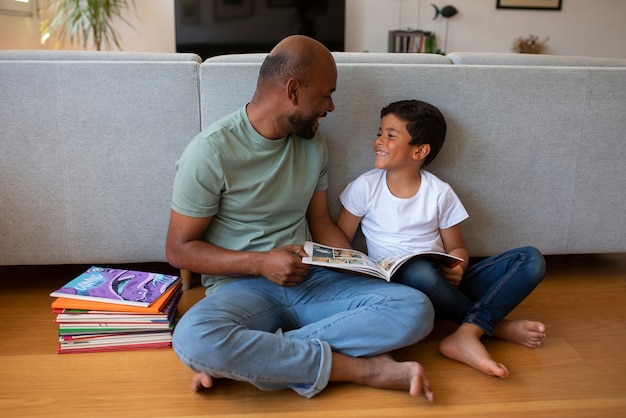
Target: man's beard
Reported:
[(303, 126)]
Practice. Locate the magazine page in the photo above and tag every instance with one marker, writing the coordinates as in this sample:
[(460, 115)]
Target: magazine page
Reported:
[(392, 263), (341, 258)]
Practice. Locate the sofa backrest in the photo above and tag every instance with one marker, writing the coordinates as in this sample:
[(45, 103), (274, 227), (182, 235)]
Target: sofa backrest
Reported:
[(536, 154), (496, 58), (75, 55), (348, 57), (87, 151), (89, 142)]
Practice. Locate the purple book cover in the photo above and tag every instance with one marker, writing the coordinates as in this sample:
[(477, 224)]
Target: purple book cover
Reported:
[(112, 285)]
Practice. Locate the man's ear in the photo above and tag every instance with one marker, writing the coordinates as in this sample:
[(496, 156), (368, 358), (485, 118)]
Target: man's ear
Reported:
[(421, 151), (293, 87)]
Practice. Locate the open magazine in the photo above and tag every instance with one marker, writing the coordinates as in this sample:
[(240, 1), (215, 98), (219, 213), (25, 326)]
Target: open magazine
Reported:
[(354, 260)]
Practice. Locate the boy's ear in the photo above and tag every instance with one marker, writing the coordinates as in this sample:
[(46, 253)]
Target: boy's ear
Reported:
[(421, 151)]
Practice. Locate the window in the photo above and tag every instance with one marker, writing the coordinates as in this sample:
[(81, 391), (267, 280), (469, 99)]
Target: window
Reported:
[(17, 7)]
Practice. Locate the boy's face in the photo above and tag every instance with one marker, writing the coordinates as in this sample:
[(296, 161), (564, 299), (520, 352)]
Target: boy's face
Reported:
[(391, 148)]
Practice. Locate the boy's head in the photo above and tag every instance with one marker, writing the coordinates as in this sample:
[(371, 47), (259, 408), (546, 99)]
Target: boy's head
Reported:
[(425, 124)]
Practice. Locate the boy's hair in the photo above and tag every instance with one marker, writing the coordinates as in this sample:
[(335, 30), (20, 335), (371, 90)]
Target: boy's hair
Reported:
[(425, 124)]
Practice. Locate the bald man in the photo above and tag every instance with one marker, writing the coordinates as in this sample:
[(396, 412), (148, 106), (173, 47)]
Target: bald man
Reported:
[(249, 190)]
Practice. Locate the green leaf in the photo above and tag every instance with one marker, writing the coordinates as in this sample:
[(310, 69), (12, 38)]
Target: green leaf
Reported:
[(83, 20)]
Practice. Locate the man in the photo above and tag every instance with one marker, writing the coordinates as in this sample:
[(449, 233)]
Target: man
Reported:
[(250, 189)]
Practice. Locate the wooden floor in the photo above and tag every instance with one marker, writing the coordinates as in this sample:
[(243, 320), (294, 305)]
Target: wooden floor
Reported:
[(579, 371)]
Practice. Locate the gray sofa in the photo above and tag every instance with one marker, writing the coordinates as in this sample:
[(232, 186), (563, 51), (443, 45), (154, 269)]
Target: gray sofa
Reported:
[(87, 148), (535, 149)]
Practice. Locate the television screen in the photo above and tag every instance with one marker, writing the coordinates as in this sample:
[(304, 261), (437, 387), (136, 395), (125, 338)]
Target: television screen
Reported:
[(216, 27)]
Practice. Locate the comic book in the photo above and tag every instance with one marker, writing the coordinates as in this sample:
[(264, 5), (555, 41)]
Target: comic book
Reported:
[(357, 261)]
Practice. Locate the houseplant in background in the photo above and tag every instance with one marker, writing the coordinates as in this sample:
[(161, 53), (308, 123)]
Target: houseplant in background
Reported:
[(83, 20)]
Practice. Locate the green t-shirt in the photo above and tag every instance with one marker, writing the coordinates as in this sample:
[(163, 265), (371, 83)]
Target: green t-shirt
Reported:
[(257, 190)]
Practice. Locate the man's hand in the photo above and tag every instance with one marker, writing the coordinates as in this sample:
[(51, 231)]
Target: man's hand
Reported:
[(284, 266)]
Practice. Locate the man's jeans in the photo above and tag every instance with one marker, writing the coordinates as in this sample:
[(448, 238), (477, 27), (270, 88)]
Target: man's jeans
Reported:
[(490, 289), (279, 337)]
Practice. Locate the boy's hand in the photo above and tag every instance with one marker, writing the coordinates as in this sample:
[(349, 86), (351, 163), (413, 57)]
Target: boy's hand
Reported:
[(453, 274)]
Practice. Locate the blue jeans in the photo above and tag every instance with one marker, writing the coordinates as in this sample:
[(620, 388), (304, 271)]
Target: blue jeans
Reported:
[(279, 337), (490, 289)]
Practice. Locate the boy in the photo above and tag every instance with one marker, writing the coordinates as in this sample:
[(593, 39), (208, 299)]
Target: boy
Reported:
[(403, 208)]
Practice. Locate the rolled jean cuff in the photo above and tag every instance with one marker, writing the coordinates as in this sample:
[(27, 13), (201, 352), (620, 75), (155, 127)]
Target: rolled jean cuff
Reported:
[(326, 363), (487, 328)]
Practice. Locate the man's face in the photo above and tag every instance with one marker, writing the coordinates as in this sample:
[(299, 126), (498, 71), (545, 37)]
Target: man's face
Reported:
[(314, 102)]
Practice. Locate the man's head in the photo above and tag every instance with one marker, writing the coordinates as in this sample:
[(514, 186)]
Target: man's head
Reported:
[(298, 78)]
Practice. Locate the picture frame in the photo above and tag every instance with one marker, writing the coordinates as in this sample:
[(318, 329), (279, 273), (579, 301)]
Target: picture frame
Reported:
[(232, 9), (529, 4)]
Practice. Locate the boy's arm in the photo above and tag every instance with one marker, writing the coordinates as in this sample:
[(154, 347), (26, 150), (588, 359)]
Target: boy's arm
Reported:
[(348, 223), (323, 229), (454, 244)]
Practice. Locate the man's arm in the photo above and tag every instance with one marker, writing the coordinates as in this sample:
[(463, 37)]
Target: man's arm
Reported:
[(185, 249), (323, 229)]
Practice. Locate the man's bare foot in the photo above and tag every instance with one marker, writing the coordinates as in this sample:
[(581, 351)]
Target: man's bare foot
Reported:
[(464, 345), (201, 381), (383, 372), (519, 331)]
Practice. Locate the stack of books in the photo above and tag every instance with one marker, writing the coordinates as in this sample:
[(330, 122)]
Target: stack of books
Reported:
[(110, 309)]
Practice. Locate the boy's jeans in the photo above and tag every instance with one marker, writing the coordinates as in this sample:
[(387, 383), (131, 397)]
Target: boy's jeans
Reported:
[(279, 337), (490, 289)]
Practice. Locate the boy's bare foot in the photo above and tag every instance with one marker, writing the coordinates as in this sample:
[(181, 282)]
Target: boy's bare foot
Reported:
[(201, 381), (383, 372), (464, 345), (519, 331)]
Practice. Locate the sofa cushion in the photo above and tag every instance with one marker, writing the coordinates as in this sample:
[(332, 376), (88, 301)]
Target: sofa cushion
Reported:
[(87, 154)]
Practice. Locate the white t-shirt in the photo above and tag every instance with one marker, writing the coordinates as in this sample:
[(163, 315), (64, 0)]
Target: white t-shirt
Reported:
[(397, 226)]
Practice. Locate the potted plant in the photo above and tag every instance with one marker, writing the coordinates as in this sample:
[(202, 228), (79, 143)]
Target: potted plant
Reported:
[(529, 45), (84, 19)]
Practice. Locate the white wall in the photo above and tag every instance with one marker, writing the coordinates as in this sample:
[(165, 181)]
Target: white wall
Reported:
[(153, 31), (582, 27), (154, 27), (19, 32)]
